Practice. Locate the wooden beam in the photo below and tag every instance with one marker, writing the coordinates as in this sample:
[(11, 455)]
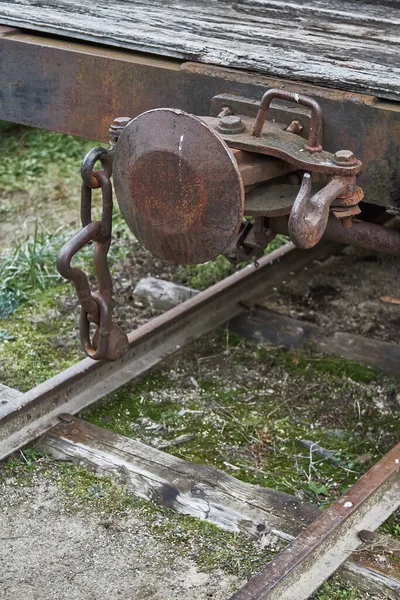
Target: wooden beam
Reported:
[(188, 488), (348, 45), (203, 492), (273, 328), (262, 325)]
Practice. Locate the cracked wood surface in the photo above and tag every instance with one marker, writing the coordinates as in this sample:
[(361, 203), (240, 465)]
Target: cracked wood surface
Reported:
[(209, 494), (344, 44)]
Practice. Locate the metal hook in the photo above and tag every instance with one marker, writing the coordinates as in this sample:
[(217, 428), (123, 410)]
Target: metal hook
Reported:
[(309, 215)]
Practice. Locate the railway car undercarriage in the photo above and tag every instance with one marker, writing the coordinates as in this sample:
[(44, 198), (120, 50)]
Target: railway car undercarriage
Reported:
[(191, 188)]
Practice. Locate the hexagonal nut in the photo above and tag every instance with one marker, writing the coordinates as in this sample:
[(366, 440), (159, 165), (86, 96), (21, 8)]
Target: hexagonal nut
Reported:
[(231, 125), (345, 157)]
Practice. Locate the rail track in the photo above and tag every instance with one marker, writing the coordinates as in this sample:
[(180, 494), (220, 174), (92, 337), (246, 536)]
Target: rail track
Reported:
[(318, 544)]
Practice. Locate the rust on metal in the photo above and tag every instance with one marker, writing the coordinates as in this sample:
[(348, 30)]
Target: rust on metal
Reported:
[(314, 143), (178, 186), (365, 235), (231, 125), (309, 215), (296, 126), (269, 200), (345, 157), (109, 341), (275, 140), (361, 234), (255, 168), (117, 128), (312, 557), (80, 103)]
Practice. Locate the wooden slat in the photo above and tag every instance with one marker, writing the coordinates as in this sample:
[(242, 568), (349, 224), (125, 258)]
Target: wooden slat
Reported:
[(273, 328), (350, 45), (204, 492), (188, 488)]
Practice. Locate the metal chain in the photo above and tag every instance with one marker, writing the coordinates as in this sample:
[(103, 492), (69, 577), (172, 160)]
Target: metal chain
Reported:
[(109, 340)]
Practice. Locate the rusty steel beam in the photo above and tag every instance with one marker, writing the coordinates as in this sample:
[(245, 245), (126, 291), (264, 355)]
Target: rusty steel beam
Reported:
[(361, 234), (80, 88), (320, 550)]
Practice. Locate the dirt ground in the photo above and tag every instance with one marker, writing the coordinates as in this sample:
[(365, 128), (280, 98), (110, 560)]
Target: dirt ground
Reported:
[(48, 554), (350, 292)]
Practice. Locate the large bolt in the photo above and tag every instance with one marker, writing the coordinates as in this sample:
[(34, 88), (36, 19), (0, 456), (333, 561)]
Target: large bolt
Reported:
[(345, 157), (225, 111), (231, 125), (366, 536), (117, 128)]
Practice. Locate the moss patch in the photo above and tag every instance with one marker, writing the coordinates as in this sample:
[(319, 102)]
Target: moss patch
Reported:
[(211, 548), (249, 410), (200, 277), (39, 343)]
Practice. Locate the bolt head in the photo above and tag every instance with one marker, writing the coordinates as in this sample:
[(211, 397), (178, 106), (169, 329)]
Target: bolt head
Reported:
[(121, 121), (366, 536), (231, 124), (117, 128), (295, 126), (66, 417), (345, 157)]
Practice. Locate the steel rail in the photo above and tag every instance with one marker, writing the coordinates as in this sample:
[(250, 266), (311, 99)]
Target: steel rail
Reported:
[(25, 418), (320, 550)]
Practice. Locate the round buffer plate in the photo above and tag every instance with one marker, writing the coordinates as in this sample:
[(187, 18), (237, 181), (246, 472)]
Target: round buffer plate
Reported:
[(178, 186)]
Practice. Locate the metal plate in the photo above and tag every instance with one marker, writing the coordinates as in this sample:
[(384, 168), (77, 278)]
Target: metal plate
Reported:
[(270, 200), (178, 186)]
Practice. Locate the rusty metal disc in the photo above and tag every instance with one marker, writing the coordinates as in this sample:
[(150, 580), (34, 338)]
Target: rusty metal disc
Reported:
[(178, 186)]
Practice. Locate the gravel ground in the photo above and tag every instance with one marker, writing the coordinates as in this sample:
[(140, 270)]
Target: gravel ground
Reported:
[(50, 554), (344, 293)]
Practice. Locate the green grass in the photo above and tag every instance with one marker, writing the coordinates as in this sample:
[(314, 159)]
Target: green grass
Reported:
[(200, 277), (27, 153), (30, 265), (262, 439)]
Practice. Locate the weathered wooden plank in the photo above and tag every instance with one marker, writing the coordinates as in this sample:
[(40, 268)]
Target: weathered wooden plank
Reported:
[(276, 329), (188, 488), (363, 570), (206, 493), (280, 330), (347, 45)]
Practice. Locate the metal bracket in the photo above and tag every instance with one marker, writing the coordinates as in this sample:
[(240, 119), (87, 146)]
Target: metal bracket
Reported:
[(275, 140), (279, 111)]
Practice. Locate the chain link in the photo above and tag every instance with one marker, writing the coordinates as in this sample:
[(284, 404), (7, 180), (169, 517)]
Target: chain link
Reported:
[(109, 340)]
